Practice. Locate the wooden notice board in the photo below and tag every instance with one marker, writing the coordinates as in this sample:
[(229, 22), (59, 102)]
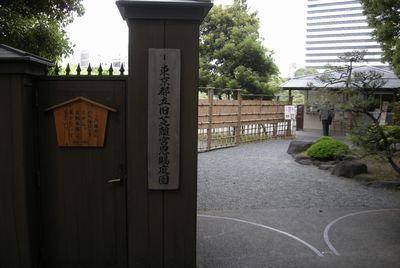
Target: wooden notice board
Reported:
[(164, 118), (80, 122)]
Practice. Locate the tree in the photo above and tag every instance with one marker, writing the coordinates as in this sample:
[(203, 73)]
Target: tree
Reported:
[(275, 84), (297, 95), (38, 26), (384, 17), (360, 88), (231, 51), (305, 71)]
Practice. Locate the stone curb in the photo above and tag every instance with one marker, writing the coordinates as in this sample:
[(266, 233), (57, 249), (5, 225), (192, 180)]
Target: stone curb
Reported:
[(364, 177)]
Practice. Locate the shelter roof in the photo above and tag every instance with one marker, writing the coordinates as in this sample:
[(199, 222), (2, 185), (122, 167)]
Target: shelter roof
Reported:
[(311, 81)]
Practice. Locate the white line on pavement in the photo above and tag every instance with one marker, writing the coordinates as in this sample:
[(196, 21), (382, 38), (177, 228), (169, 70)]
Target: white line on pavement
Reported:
[(328, 227), (316, 251)]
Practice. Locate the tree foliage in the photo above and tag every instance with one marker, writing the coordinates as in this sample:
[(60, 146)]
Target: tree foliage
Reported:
[(384, 17), (38, 26), (360, 90), (305, 71), (231, 50)]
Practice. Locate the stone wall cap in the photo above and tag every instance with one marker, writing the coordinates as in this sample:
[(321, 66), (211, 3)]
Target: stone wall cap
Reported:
[(164, 9)]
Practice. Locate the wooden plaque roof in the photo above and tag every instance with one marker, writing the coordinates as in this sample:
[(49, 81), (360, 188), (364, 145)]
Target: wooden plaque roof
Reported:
[(83, 99)]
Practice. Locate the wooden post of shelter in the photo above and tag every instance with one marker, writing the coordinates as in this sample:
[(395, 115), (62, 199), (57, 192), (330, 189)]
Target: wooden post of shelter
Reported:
[(161, 222), (290, 100), (394, 107), (239, 118), (210, 91)]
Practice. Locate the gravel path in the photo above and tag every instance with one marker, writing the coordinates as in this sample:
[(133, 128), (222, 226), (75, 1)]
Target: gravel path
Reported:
[(262, 175)]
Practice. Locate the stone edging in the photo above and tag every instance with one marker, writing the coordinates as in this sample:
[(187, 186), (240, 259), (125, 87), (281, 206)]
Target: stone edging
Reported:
[(346, 168)]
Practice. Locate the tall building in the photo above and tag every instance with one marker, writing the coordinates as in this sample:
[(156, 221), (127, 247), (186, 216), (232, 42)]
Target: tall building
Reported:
[(85, 59), (335, 27)]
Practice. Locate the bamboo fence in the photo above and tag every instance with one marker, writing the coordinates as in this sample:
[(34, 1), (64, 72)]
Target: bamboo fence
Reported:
[(225, 123)]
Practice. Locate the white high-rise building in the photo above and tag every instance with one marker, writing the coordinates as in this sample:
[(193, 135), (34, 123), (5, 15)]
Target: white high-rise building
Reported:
[(335, 27)]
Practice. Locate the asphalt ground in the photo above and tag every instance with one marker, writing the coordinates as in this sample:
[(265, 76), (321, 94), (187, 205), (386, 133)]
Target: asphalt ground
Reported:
[(259, 208)]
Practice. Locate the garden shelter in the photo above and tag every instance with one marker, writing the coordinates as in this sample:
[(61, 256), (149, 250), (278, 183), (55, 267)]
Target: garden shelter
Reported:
[(316, 92)]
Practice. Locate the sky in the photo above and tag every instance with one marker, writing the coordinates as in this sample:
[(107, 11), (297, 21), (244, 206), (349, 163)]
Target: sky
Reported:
[(102, 31)]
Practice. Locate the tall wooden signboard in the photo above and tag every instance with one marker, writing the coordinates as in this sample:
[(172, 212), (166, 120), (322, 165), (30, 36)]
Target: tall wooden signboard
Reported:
[(164, 115)]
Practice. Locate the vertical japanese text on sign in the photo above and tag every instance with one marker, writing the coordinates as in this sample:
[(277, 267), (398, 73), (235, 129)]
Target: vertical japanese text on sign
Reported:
[(164, 118)]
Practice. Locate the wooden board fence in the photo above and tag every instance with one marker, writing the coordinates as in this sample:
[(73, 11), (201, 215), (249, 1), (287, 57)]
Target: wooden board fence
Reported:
[(224, 123)]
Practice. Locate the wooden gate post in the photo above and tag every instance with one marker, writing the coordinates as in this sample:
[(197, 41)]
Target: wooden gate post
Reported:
[(210, 116), (19, 192), (239, 118), (162, 223)]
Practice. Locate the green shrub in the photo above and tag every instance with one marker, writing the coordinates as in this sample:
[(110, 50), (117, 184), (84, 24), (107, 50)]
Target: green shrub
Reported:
[(323, 138), (327, 149)]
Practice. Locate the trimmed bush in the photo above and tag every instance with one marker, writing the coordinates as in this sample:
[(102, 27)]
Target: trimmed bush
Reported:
[(323, 138), (327, 148)]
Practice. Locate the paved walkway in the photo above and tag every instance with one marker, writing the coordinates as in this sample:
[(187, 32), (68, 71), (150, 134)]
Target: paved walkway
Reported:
[(258, 208)]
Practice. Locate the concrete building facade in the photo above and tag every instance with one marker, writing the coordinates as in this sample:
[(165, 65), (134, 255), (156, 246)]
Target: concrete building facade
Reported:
[(335, 27)]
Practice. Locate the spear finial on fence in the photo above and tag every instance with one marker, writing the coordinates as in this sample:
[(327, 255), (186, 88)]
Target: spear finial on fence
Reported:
[(121, 70), (56, 70), (100, 70), (78, 69), (67, 70), (110, 70), (89, 70)]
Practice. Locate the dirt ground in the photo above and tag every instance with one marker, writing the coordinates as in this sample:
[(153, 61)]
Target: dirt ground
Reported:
[(381, 170)]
